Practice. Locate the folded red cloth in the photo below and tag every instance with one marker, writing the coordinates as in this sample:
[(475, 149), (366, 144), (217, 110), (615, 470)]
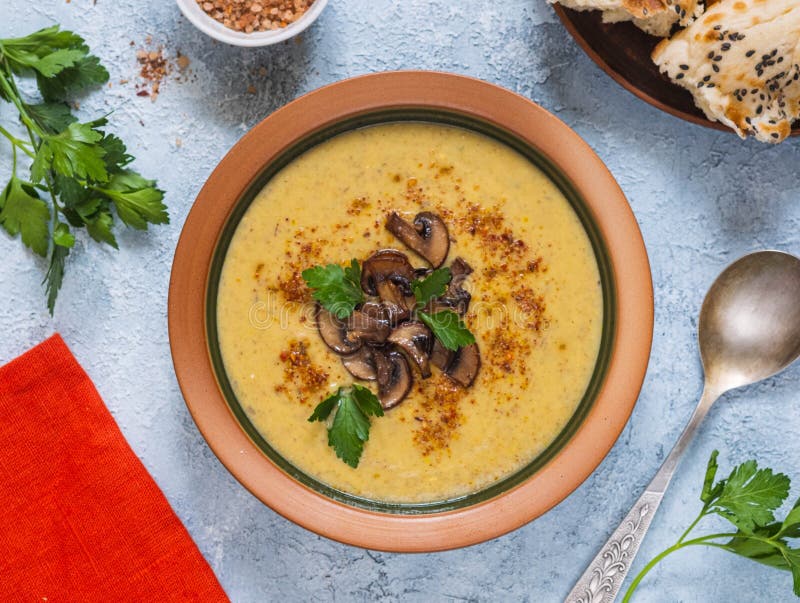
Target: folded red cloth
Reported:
[(80, 517)]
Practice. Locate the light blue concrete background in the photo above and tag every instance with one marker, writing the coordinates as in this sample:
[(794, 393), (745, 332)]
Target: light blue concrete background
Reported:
[(702, 198)]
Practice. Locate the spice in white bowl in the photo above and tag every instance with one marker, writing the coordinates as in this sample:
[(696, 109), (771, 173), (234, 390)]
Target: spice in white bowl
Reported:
[(255, 15)]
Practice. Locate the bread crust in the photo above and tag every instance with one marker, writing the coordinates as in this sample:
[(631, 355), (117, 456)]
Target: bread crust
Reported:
[(656, 17), (741, 62)]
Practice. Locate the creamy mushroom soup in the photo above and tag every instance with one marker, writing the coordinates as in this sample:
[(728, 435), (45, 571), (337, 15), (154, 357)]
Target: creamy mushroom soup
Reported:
[(431, 222)]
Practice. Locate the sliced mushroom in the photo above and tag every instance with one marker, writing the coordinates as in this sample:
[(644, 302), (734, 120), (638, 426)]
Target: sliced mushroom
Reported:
[(455, 298), (334, 332), (394, 378), (363, 327), (427, 236), (458, 303), (398, 298), (361, 364), (440, 355), (382, 265), (415, 339), (375, 310), (464, 366), (460, 270)]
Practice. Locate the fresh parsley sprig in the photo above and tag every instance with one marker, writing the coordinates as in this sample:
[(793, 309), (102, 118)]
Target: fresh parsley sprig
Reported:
[(78, 172), (432, 286), (350, 426), (748, 498), (448, 328), (337, 289)]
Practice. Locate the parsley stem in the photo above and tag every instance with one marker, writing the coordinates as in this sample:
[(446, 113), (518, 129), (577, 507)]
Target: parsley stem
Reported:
[(693, 524), (653, 562), (700, 541), (10, 88), (17, 143)]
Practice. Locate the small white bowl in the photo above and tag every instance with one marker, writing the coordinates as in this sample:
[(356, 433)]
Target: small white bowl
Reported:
[(210, 26)]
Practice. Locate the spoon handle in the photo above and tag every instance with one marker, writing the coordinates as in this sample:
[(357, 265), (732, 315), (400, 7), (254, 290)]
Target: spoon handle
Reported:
[(602, 580)]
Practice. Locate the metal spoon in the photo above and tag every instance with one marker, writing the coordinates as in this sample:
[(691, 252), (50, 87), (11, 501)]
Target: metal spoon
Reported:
[(749, 330)]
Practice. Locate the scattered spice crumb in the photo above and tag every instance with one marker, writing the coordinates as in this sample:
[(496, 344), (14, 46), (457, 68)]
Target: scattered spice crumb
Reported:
[(301, 372), (153, 68), (439, 415), (183, 62)]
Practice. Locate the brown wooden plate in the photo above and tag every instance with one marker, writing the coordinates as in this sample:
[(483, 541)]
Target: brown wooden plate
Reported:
[(623, 51)]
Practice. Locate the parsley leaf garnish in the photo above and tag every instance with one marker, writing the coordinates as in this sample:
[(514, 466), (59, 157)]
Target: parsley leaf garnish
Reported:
[(51, 117), (337, 289), (137, 200), (750, 495), (85, 73), (432, 286), (22, 211), (80, 168), (350, 426), (748, 498), (448, 328)]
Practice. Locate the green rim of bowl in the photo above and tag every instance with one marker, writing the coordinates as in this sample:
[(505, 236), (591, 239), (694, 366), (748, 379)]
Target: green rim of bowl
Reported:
[(441, 117)]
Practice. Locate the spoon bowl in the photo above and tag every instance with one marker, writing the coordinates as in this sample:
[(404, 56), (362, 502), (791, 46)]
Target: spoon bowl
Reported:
[(749, 326)]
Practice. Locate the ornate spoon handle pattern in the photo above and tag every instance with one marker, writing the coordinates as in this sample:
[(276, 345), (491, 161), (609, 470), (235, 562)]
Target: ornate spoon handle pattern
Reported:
[(602, 580)]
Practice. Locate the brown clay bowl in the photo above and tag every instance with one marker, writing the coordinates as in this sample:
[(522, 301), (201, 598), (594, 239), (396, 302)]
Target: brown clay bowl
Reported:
[(597, 199), (623, 51)]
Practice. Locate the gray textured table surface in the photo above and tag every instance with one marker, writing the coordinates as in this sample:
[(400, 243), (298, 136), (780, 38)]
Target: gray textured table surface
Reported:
[(702, 198)]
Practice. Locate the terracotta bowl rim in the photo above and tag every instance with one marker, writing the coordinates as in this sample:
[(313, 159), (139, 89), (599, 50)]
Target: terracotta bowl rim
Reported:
[(632, 325)]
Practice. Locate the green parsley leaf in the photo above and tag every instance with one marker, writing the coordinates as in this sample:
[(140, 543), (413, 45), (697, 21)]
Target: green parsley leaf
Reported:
[(792, 557), (337, 289), (99, 228), (324, 408), (790, 528), (448, 328), (432, 286), (760, 551), (750, 495), (47, 51), (349, 429), (116, 156), (85, 73), (55, 274), (51, 117), (137, 200), (45, 41), (24, 212), (73, 152), (367, 401), (58, 60), (62, 236), (710, 491)]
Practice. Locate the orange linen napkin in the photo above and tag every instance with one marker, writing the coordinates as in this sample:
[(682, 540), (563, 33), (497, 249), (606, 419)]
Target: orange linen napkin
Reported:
[(80, 517)]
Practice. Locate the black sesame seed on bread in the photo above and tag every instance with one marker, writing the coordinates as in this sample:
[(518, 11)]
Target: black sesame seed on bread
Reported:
[(741, 61)]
